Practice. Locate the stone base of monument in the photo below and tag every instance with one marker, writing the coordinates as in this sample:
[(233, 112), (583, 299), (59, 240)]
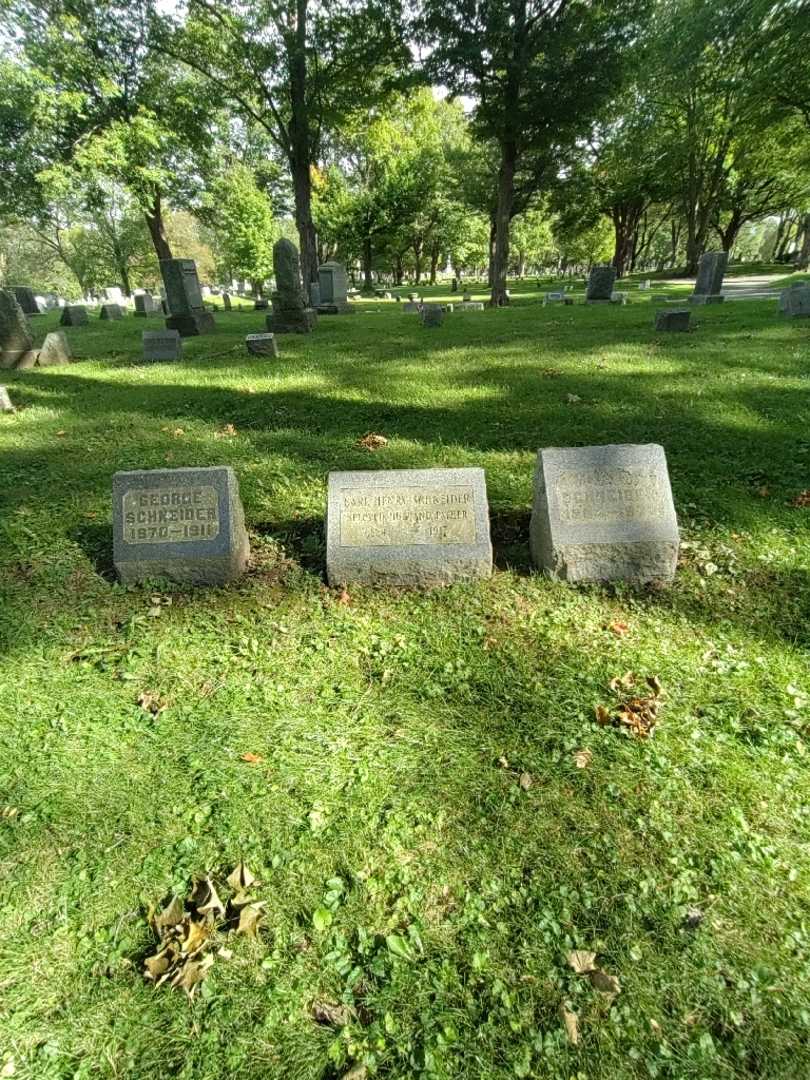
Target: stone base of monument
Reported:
[(292, 321), (706, 299), (604, 513), (601, 300), (336, 309), (673, 320), (407, 527), (200, 322), (261, 345), (183, 524)]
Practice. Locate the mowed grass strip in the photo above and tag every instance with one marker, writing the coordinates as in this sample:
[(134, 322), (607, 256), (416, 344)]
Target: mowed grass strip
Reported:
[(410, 764)]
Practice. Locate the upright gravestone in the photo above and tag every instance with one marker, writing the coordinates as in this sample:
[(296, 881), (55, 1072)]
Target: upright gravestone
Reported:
[(673, 321), (55, 350), (454, 285), (113, 294), (162, 345), (6, 404), (795, 301), (414, 527), (16, 343), (111, 311), (26, 299), (74, 315), (146, 305), (600, 285), (711, 268), (183, 524), (332, 286), (187, 312), (261, 345), (290, 313), (432, 314), (226, 301), (604, 513)]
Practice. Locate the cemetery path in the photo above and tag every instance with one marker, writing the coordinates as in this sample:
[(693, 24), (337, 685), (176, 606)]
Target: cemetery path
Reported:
[(753, 284)]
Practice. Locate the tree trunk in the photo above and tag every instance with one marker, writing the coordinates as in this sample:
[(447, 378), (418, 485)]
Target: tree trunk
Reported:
[(503, 215), (300, 148), (804, 254), (434, 262), (521, 267), (398, 268), (368, 284), (417, 254), (728, 235), (155, 223), (491, 259)]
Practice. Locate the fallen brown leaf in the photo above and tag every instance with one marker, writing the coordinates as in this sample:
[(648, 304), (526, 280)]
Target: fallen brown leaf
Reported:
[(618, 628), (249, 918), (331, 1015), (583, 758), (571, 1025), (344, 597), (240, 878), (253, 759), (801, 500), (152, 703), (604, 983), (525, 781), (226, 432), (582, 962), (372, 441)]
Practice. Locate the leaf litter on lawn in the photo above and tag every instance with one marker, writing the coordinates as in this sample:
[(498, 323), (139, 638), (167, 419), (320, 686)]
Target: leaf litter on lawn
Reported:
[(635, 714), (190, 933)]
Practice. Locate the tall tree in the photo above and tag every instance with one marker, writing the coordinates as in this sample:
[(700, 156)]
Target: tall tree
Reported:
[(539, 71)]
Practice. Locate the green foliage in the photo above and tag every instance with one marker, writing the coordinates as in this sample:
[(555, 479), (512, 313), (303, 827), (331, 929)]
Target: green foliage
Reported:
[(241, 217)]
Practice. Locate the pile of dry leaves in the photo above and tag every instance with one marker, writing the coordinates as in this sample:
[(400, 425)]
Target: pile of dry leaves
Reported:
[(190, 932), (635, 714)]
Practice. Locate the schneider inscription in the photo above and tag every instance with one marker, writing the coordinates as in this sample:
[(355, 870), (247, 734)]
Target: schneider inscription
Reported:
[(370, 517), (170, 515), (607, 498)]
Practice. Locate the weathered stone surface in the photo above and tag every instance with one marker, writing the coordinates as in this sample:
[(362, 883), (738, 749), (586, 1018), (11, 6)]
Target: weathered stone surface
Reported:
[(162, 345), (55, 350), (290, 313), (26, 299), (332, 290), (472, 305), (619, 297), (604, 513), (184, 524), (600, 284), (111, 311), (74, 315), (146, 305), (410, 307), (795, 301), (432, 314), (113, 294), (187, 312), (261, 345), (412, 527), (6, 404), (15, 337), (709, 282), (226, 301), (677, 320)]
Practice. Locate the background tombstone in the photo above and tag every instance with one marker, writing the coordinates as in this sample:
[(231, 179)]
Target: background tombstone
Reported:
[(676, 320), (332, 285), (600, 285), (410, 307), (290, 313), (432, 314), (226, 301), (15, 338), (74, 315), (261, 345), (26, 299), (711, 268), (162, 345), (261, 304), (795, 301), (111, 311), (187, 312), (184, 524), (415, 527), (55, 350), (472, 305), (604, 513), (146, 305), (6, 404)]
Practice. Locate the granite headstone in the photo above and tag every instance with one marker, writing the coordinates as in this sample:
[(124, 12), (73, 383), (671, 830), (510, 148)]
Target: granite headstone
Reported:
[(432, 314), (146, 305), (261, 345), (676, 320), (604, 513), (15, 338), (162, 345), (600, 285), (709, 282), (187, 312), (412, 527), (74, 315), (184, 524), (795, 301), (111, 311), (332, 290), (55, 350)]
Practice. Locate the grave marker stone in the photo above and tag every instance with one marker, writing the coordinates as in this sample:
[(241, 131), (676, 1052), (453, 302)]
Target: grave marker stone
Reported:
[(600, 285), (6, 404), (432, 314), (472, 305), (55, 350), (15, 338), (261, 345), (332, 286), (677, 320), (226, 301), (146, 305), (711, 268), (111, 311), (604, 513), (619, 297), (414, 527), (162, 345), (26, 299), (795, 301), (290, 313), (74, 315), (184, 524), (411, 308), (184, 300), (261, 304)]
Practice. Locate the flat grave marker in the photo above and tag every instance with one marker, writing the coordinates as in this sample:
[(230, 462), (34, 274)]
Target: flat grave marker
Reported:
[(261, 344), (673, 321), (162, 345), (74, 315)]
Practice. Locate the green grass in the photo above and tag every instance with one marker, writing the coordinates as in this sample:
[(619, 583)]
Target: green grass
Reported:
[(384, 724)]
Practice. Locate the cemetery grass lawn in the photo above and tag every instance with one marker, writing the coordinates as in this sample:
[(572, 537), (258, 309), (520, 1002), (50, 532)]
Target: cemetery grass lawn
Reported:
[(400, 771)]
